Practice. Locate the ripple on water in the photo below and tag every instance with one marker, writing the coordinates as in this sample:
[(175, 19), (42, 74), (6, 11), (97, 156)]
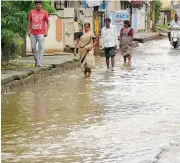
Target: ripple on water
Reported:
[(129, 116)]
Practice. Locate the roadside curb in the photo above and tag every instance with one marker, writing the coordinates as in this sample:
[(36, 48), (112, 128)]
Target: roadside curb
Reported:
[(162, 30), (146, 39), (32, 75)]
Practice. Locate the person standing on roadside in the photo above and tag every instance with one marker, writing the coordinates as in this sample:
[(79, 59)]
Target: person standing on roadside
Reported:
[(126, 41), (109, 42), (38, 26)]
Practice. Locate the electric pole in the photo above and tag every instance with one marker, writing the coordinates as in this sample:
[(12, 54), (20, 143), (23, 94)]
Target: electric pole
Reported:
[(96, 27), (131, 8), (153, 15), (77, 10)]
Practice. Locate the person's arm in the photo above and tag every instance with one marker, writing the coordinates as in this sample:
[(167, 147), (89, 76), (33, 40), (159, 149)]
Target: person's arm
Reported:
[(132, 36), (76, 46), (120, 37), (171, 25), (29, 24), (102, 38), (93, 37), (94, 42), (116, 38), (48, 24)]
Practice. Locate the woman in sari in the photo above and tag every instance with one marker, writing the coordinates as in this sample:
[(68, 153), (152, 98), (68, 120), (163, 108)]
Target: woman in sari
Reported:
[(126, 41), (86, 42)]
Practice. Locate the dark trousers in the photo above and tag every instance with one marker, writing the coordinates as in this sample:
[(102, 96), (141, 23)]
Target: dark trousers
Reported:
[(169, 36)]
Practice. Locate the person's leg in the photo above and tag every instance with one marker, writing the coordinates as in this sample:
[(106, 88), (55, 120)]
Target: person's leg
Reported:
[(112, 62), (124, 57), (169, 36), (85, 71), (129, 58), (107, 63), (89, 71), (33, 47), (107, 57), (41, 49), (112, 53)]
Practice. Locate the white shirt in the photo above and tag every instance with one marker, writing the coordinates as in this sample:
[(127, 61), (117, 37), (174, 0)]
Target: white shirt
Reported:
[(173, 23), (109, 36)]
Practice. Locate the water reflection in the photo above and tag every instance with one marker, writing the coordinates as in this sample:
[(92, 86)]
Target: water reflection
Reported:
[(38, 107), (125, 116)]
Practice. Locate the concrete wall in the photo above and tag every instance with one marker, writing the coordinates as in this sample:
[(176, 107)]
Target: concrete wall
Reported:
[(142, 19), (114, 5), (61, 34), (166, 4), (68, 32), (87, 17)]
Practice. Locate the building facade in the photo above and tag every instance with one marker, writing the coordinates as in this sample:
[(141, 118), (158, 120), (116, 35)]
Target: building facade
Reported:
[(66, 21), (141, 17)]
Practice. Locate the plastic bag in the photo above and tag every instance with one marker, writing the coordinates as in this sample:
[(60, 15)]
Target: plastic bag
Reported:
[(90, 59)]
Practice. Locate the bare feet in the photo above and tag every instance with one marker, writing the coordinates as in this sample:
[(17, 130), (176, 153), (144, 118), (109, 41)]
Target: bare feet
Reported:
[(89, 75)]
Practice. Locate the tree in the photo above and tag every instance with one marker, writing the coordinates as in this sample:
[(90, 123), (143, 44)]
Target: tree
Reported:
[(158, 6), (14, 22)]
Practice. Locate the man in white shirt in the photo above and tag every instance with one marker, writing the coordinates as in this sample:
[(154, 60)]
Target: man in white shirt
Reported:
[(175, 22), (109, 42)]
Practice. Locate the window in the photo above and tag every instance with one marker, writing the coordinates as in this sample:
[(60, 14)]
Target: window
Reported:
[(124, 5), (59, 5)]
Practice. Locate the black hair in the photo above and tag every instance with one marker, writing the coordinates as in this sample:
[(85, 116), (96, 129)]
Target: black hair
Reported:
[(127, 22), (175, 15), (38, 2), (87, 23), (108, 19)]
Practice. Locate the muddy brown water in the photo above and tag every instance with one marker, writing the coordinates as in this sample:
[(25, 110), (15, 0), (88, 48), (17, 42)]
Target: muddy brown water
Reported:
[(131, 115)]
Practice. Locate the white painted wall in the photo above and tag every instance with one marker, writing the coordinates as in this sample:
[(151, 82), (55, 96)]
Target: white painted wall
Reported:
[(89, 20), (114, 5), (50, 40), (142, 19), (68, 32)]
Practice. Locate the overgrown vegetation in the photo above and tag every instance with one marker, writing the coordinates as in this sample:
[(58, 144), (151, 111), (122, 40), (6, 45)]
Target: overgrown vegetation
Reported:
[(167, 8), (14, 23), (163, 26), (158, 6)]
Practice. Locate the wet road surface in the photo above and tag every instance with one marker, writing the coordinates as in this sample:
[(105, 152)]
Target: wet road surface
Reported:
[(131, 115)]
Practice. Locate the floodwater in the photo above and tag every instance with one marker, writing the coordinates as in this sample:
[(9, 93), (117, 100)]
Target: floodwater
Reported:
[(131, 115)]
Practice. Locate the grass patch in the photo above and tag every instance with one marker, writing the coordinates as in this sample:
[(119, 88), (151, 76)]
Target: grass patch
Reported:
[(163, 26), (10, 66)]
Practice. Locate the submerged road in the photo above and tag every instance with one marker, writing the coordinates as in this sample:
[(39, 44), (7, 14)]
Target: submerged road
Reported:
[(131, 115)]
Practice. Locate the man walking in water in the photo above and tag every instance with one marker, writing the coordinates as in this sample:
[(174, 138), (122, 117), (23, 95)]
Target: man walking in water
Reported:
[(38, 26), (109, 42)]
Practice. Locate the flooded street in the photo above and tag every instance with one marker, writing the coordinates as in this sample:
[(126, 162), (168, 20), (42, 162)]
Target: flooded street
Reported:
[(131, 115)]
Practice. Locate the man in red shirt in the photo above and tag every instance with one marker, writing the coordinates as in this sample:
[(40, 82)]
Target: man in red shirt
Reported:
[(38, 26)]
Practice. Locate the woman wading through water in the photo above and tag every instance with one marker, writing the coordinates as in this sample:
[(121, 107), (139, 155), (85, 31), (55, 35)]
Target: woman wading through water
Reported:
[(126, 41), (86, 42)]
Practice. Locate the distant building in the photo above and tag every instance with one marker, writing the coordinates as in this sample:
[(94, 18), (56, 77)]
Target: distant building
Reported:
[(141, 17)]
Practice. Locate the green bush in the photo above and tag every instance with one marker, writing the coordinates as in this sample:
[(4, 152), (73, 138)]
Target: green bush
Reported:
[(158, 6), (163, 26)]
